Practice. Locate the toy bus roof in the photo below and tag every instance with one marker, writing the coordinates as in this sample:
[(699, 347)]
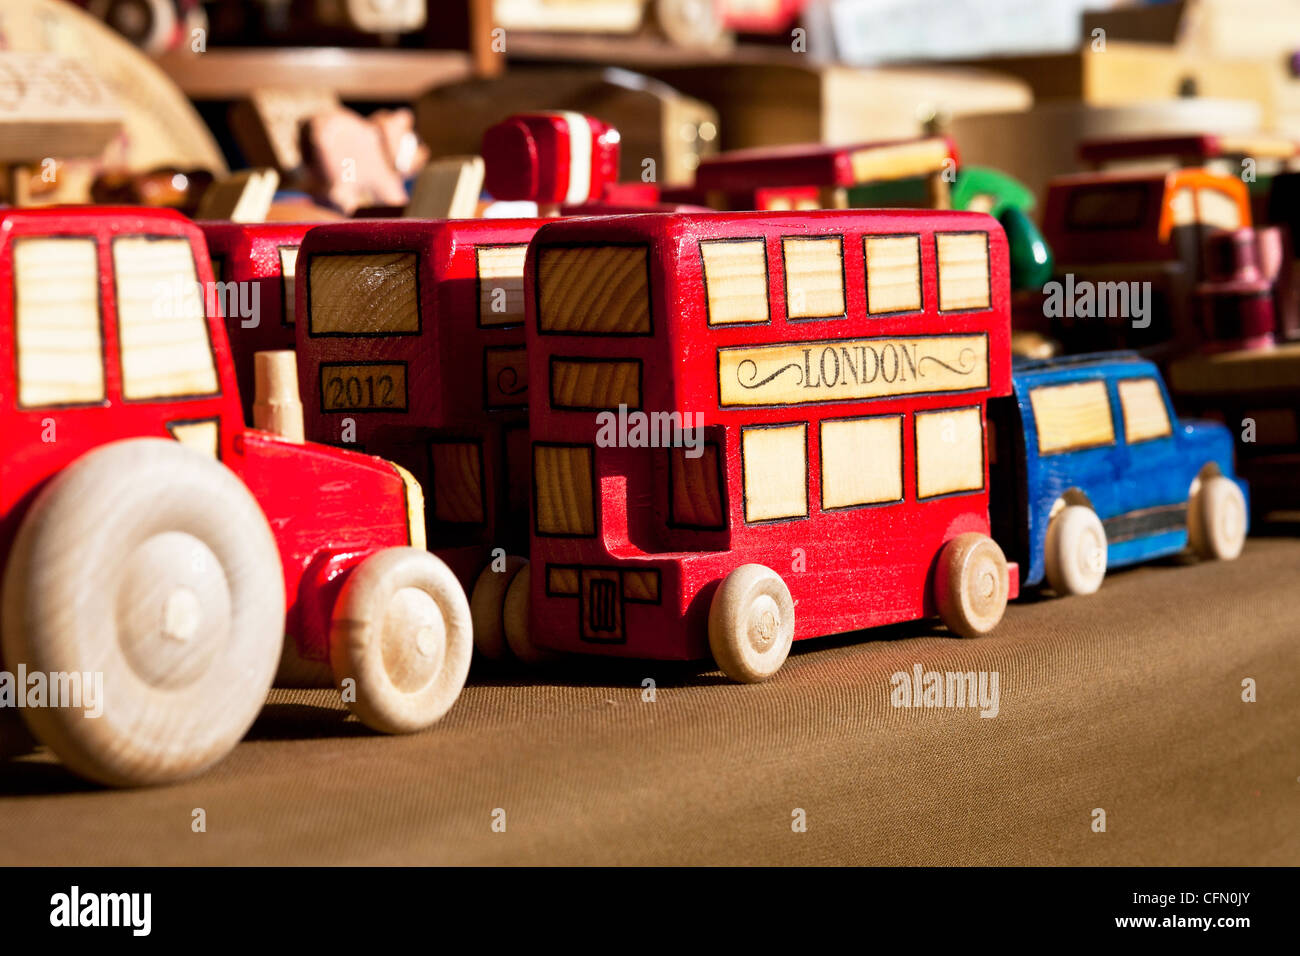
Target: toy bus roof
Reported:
[(139, 213), (705, 225), (1200, 145), (814, 165), (417, 229), (1035, 366)]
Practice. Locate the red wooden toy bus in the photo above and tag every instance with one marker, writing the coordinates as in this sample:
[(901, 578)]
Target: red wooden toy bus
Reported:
[(147, 560), (253, 266), (841, 362), (411, 346)]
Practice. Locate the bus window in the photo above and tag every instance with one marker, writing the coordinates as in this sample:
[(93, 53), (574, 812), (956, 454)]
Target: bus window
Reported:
[(164, 337), (288, 268), (1072, 417), (594, 290), (564, 486), (963, 262), (862, 461), (593, 385), (371, 294), (949, 452), (457, 481), (814, 276), (1145, 415), (56, 315), (775, 460), (893, 274), (695, 485), (1217, 209), (500, 272), (735, 280)]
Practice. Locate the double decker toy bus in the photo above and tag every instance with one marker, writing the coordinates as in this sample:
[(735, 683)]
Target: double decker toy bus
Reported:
[(253, 266), (411, 346), (841, 362)]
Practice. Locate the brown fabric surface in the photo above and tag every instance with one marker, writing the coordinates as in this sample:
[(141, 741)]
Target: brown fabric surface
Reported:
[(1129, 700)]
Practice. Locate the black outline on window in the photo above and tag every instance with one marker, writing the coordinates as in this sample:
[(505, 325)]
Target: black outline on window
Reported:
[(785, 276), (99, 323), (477, 445), (723, 510), (203, 309), (360, 253), (744, 491), (988, 273), (704, 280), (478, 287), (920, 274), (902, 463), (595, 494), (593, 333), (1038, 431), (916, 452), (591, 360)]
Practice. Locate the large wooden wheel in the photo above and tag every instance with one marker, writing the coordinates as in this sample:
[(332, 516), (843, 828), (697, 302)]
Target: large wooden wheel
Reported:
[(972, 584), (751, 623), (151, 565)]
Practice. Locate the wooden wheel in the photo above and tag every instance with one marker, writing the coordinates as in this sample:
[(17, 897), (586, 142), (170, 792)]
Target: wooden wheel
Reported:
[(1216, 518), (971, 584), (751, 623), (153, 566), (487, 608), (402, 632), (1074, 553), (515, 614)]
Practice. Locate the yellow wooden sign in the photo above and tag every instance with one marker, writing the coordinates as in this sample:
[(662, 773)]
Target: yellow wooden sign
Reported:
[(800, 373)]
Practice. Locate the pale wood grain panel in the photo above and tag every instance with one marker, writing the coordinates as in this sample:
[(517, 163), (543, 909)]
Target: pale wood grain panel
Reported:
[(57, 326), (697, 496), (963, 260), (735, 275), (500, 284), (814, 277), (562, 580), (1072, 416), (594, 289), (595, 385), (641, 586), (565, 497), (862, 461), (776, 472), (949, 452), (457, 482), (893, 273), (201, 436), (161, 323), (1145, 414), (373, 294)]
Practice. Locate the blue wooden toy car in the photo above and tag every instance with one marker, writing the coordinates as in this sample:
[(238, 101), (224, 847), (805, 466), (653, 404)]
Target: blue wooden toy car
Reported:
[(1092, 470)]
